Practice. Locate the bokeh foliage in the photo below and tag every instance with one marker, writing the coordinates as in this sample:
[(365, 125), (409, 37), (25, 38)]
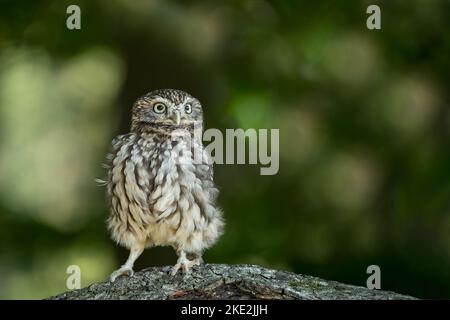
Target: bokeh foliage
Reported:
[(363, 116)]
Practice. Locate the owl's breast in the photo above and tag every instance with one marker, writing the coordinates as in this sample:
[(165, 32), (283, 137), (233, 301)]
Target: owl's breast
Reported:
[(174, 182), (160, 188), (156, 190)]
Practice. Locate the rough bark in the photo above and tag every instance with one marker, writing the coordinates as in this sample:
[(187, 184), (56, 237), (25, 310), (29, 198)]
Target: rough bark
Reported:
[(218, 281)]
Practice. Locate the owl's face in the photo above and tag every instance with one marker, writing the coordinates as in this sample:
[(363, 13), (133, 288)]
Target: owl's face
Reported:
[(168, 107)]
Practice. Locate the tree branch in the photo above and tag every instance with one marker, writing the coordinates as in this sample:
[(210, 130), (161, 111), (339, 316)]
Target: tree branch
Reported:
[(219, 281)]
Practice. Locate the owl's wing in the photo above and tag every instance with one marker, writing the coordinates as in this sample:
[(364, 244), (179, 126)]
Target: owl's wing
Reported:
[(205, 172), (116, 144)]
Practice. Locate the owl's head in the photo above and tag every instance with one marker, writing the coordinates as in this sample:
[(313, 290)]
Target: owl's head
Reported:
[(169, 108)]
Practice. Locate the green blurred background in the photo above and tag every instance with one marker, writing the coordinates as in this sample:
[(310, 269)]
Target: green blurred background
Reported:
[(364, 123)]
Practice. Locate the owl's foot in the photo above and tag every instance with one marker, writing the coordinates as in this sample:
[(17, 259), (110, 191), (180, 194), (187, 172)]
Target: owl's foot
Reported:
[(123, 271), (197, 261), (185, 264)]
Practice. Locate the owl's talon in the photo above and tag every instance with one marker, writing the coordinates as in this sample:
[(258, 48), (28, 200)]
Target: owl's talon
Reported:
[(185, 264), (197, 261), (186, 269), (175, 269), (123, 271)]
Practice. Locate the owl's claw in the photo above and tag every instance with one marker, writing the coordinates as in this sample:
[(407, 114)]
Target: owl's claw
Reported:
[(184, 264), (197, 261), (181, 264), (123, 271)]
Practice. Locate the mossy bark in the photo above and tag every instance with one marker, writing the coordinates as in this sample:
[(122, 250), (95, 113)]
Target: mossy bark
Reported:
[(218, 281)]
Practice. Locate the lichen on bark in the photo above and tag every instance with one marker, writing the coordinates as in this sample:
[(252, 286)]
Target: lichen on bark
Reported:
[(220, 281)]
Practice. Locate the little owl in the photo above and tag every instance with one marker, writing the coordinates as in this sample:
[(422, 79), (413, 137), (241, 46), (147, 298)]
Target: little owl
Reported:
[(158, 194)]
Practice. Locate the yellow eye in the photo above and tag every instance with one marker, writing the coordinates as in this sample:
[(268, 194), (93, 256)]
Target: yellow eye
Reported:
[(188, 108), (159, 107)]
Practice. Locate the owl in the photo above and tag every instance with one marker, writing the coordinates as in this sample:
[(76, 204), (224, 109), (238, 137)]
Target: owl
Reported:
[(160, 187)]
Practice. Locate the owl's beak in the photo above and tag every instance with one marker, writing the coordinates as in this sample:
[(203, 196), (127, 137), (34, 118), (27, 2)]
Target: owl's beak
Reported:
[(176, 117)]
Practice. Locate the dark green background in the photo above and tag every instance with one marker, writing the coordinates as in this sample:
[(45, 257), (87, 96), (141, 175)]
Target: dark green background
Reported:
[(364, 133)]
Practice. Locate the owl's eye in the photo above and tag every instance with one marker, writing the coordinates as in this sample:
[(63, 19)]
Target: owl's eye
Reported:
[(159, 107), (188, 108)]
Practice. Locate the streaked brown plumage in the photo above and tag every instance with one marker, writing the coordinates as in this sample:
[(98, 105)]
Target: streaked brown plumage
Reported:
[(158, 194)]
